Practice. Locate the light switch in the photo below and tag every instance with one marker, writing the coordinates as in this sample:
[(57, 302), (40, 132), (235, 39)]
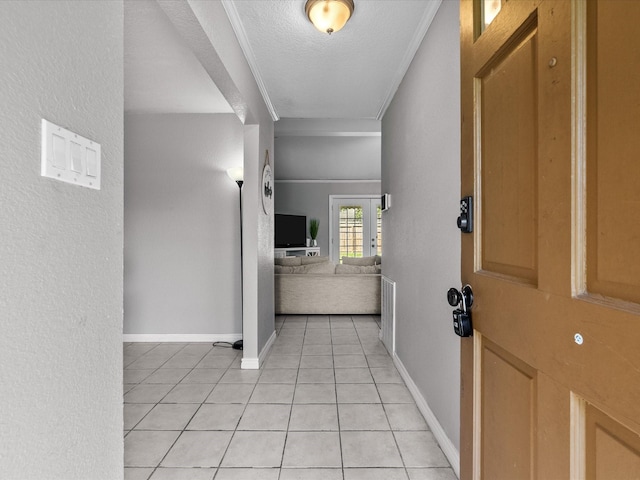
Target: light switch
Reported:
[(69, 157), (76, 157), (59, 151), (92, 164)]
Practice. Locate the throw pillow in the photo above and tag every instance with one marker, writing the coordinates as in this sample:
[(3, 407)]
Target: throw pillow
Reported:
[(317, 268), (287, 261), (359, 261), (320, 268), (313, 259), (282, 269), (350, 269)]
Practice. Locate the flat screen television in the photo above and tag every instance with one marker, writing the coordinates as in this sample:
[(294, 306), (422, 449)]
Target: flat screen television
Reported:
[(291, 230)]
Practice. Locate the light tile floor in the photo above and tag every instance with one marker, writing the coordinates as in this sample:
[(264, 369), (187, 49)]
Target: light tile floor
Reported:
[(327, 405)]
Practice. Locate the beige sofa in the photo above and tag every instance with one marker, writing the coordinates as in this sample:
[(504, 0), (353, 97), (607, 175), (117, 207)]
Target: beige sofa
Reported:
[(317, 286)]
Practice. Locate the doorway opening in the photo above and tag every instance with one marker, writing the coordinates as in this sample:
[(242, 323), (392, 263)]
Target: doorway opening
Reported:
[(355, 227)]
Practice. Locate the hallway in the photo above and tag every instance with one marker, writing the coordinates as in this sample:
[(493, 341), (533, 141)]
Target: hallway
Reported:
[(327, 405)]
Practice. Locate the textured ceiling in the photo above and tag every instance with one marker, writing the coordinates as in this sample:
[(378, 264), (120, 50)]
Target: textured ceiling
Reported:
[(353, 73), (161, 73), (329, 81)]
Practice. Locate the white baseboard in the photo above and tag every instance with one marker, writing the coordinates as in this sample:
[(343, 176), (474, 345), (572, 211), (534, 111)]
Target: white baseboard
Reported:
[(448, 448), (250, 363), (267, 347), (254, 363), (180, 337)]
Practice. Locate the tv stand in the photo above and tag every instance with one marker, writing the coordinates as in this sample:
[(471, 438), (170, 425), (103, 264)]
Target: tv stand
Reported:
[(296, 252)]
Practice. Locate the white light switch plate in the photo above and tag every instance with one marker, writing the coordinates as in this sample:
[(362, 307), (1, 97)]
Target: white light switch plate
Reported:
[(69, 157)]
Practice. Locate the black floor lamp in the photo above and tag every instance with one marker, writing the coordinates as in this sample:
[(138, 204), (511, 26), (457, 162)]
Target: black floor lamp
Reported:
[(237, 175)]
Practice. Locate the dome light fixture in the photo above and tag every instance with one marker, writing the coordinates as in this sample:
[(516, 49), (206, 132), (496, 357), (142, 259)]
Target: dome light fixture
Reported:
[(329, 16)]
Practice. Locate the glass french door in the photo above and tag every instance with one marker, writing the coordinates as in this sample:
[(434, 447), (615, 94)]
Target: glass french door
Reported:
[(355, 227)]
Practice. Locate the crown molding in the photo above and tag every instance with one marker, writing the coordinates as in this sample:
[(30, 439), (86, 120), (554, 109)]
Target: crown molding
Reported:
[(312, 133), (421, 31), (241, 35), (329, 181)]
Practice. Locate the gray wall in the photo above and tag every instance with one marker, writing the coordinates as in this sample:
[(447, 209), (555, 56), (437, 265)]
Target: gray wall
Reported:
[(328, 158), (60, 245), (312, 200), (241, 91), (182, 224), (327, 149), (421, 170)]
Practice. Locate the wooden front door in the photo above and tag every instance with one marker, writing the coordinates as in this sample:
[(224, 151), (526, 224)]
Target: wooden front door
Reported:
[(551, 153)]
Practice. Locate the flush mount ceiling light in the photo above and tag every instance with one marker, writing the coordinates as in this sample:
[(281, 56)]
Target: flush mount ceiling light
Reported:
[(329, 15)]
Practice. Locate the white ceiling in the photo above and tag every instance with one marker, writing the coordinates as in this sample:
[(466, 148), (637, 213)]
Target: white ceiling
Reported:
[(332, 82), (301, 72), (353, 73), (161, 73)]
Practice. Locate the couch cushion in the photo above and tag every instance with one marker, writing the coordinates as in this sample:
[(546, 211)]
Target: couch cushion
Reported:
[(347, 269), (313, 259), (288, 261), (359, 261), (317, 268), (283, 268)]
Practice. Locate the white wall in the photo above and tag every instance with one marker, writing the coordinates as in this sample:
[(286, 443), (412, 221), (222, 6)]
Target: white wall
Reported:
[(327, 149), (241, 91), (182, 224), (328, 158), (312, 200), (206, 29), (421, 170), (60, 245)]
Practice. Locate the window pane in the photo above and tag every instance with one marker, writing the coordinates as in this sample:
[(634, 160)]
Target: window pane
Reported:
[(379, 231), (351, 231)]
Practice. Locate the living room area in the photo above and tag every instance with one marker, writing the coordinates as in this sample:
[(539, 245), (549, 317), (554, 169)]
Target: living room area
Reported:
[(319, 161), (328, 220)]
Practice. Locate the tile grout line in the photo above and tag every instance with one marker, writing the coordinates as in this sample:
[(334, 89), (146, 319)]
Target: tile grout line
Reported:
[(154, 469), (226, 450), (304, 335), (363, 335), (286, 435), (335, 380), (395, 440), (179, 383), (159, 402)]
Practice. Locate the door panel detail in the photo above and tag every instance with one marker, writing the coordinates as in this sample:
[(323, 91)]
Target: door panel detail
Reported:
[(613, 123), (508, 130), (612, 451), (508, 410)]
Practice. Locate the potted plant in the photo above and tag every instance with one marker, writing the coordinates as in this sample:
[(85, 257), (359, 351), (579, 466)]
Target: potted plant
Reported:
[(314, 224)]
